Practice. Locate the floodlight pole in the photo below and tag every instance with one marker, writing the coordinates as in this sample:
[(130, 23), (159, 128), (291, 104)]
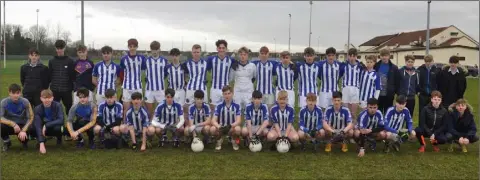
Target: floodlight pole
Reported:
[(427, 48), (289, 30), (310, 34), (83, 25)]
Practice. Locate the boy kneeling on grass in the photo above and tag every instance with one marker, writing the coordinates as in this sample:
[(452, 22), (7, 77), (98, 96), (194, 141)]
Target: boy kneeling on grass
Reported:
[(81, 118), (49, 120), (461, 125), (432, 123), (109, 118), (16, 116), (137, 123), (395, 119)]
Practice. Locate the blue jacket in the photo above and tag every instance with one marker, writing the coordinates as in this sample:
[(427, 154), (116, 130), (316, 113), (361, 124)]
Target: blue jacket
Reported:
[(57, 118), (409, 84)]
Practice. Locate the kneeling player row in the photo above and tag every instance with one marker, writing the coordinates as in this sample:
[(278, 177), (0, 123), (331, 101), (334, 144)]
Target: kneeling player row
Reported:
[(334, 125)]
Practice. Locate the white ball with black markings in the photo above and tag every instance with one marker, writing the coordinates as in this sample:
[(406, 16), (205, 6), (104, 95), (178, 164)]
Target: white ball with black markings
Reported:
[(197, 145)]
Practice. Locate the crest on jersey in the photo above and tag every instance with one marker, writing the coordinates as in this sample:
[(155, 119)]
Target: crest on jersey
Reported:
[(187, 100)]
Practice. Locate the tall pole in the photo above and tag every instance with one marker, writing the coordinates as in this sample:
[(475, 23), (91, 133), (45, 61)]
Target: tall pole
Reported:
[(318, 39), (275, 48), (205, 44), (428, 29), (38, 33), (83, 25), (289, 30), (4, 38), (310, 34), (348, 39), (182, 43)]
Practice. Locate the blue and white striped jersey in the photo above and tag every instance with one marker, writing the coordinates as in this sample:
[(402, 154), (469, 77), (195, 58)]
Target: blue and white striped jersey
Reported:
[(197, 73), (369, 83), (111, 113), (307, 78), (256, 114), (227, 114), (137, 118), (311, 120), (198, 115), (329, 75), (282, 117), (352, 74), (155, 73), (285, 76), (132, 67), (338, 120), (395, 121), (220, 70), (264, 76), (368, 121), (168, 114), (176, 76), (106, 76)]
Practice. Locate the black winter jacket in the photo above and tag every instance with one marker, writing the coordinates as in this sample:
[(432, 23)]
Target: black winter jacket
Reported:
[(393, 76), (34, 78), (62, 73), (432, 120)]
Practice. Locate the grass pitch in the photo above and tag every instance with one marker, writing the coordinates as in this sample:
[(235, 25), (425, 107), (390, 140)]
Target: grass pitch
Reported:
[(67, 162)]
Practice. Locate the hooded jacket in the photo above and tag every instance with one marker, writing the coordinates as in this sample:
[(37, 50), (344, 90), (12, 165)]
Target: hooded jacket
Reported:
[(433, 120), (461, 126), (428, 79), (34, 77), (409, 83), (452, 86)]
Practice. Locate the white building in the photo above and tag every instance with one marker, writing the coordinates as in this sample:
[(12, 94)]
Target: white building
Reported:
[(444, 42)]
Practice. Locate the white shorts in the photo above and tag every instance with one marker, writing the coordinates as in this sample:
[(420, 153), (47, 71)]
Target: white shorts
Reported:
[(291, 97), (363, 104), (216, 96), (76, 99), (127, 94), (179, 96), (189, 97), (242, 98), (350, 95), (154, 96), (268, 99), (325, 99), (302, 101), (99, 98)]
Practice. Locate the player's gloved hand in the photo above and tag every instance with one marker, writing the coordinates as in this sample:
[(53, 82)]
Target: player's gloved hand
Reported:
[(312, 133), (107, 129), (306, 130)]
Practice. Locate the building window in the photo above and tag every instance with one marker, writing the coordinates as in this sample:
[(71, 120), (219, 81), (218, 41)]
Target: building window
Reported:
[(461, 58), (453, 33), (419, 57)]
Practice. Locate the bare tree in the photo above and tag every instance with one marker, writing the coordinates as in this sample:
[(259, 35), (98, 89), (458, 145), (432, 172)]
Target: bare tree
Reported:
[(41, 35), (57, 31), (66, 36)]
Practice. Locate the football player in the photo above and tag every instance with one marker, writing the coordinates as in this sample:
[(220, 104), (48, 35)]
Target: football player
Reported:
[(311, 122), (226, 120), (169, 117), (338, 124)]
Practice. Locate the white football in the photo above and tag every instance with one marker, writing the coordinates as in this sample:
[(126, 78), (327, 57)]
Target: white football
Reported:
[(283, 146), (255, 146), (197, 145)]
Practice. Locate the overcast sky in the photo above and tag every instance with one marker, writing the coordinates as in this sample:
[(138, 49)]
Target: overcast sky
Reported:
[(248, 23)]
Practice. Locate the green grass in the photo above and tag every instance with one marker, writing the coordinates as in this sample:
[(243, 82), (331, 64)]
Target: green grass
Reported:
[(67, 162)]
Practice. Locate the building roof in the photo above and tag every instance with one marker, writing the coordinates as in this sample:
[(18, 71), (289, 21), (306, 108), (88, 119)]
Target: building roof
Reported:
[(450, 41), (403, 38), (376, 41), (423, 48)]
